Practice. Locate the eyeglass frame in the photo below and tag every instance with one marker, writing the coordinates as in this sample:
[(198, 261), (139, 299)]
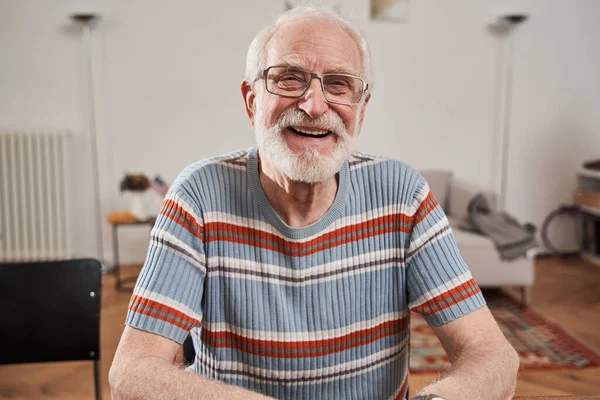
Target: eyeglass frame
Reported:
[(313, 75)]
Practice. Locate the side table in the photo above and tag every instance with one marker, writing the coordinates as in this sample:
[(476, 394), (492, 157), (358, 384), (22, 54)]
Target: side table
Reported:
[(117, 266), (587, 197)]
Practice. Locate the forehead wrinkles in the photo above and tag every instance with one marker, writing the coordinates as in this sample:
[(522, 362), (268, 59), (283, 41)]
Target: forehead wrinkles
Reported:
[(294, 59), (307, 44)]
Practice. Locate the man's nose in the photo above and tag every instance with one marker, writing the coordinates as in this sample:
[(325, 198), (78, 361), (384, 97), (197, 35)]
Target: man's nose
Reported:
[(313, 102)]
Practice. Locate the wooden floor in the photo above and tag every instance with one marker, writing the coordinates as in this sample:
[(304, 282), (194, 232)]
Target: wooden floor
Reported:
[(566, 291)]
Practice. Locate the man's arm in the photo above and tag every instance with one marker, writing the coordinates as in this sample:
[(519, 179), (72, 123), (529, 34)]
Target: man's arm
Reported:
[(484, 364), (143, 368)]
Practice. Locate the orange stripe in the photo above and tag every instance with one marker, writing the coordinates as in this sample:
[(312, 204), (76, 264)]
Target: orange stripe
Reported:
[(223, 231), (174, 211), (425, 208), (154, 309), (224, 228), (312, 354), (305, 253), (446, 299), (470, 293), (308, 344), (178, 209), (157, 316), (298, 247), (447, 296)]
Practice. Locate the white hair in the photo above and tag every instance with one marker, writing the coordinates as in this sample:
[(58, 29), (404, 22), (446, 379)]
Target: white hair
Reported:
[(256, 57)]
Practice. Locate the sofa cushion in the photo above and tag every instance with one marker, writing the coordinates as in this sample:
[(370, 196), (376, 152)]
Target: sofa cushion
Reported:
[(460, 193), (439, 184), (465, 239), (485, 264)]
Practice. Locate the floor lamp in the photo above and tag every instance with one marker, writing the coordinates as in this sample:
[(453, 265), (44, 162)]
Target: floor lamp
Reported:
[(86, 20), (511, 21)]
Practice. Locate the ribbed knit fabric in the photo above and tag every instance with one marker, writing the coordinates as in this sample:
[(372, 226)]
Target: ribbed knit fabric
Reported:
[(319, 312)]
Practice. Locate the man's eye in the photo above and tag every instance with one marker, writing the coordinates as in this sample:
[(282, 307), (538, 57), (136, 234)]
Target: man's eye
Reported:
[(291, 78), (339, 83)]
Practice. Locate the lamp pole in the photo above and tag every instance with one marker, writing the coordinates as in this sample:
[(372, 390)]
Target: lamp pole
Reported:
[(86, 20), (511, 21)]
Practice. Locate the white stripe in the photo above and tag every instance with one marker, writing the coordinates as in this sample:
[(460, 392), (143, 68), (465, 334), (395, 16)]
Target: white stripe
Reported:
[(443, 288), (364, 163), (302, 336), (226, 164), (198, 259), (429, 233), (301, 277), (356, 154), (289, 272), (421, 194), (391, 209), (239, 154), (167, 301), (315, 375), (277, 281)]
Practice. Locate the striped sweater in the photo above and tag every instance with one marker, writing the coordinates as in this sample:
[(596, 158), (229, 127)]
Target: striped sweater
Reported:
[(318, 312)]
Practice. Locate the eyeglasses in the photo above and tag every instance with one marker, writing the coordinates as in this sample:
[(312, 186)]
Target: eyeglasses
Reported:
[(293, 82)]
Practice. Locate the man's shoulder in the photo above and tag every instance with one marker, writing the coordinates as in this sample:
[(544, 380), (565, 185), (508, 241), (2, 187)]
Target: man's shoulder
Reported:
[(236, 159), (206, 173), (359, 161), (386, 175)]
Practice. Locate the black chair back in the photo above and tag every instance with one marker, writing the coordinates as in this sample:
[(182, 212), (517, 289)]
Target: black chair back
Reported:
[(51, 312)]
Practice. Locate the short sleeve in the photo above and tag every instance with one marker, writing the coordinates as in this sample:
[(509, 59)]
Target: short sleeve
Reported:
[(168, 293), (439, 283)]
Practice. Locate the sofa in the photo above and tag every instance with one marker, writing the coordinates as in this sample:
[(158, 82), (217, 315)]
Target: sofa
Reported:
[(478, 251)]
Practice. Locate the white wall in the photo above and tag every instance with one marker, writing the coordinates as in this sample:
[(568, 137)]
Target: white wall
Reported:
[(556, 120), (167, 76), (433, 104), (41, 89)]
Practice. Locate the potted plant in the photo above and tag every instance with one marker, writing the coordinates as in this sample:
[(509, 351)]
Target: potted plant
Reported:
[(136, 185)]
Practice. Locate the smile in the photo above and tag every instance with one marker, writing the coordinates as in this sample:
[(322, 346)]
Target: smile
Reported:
[(309, 134)]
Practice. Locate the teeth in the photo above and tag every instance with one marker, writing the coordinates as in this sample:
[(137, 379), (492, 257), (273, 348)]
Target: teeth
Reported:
[(315, 133)]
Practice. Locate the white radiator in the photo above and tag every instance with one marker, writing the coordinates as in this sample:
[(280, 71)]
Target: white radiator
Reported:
[(34, 196)]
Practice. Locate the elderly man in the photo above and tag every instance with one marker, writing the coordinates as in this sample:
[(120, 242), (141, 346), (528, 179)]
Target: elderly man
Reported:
[(294, 265)]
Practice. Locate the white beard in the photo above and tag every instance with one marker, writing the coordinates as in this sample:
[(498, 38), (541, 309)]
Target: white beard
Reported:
[(311, 166)]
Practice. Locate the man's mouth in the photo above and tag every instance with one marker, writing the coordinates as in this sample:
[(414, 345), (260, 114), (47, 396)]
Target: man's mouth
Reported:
[(317, 134)]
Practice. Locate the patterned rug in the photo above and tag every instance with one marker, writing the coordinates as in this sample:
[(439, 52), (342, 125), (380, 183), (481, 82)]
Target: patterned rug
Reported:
[(540, 343)]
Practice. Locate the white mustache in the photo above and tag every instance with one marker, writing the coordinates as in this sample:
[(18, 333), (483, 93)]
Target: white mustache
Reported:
[(328, 121)]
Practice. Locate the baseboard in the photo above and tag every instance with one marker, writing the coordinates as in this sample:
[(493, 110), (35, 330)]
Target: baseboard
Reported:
[(109, 269), (543, 254), (547, 254)]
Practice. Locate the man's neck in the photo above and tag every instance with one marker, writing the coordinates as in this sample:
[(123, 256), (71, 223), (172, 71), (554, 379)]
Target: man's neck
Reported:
[(298, 204)]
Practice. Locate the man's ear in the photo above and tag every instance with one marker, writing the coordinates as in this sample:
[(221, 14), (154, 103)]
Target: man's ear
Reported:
[(249, 100), (362, 112)]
